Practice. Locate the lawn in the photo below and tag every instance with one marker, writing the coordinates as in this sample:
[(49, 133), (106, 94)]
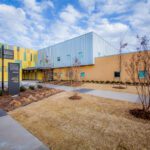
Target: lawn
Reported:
[(91, 123)]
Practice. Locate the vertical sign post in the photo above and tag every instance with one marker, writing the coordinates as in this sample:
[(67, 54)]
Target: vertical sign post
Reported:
[(14, 78), (2, 68)]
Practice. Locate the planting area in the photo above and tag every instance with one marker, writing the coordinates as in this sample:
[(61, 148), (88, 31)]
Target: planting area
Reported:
[(91, 123), (9, 103)]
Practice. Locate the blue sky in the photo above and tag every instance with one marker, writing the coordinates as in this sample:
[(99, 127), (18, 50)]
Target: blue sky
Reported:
[(40, 23)]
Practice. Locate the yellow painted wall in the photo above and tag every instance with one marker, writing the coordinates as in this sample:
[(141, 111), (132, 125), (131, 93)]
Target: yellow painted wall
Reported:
[(19, 58)]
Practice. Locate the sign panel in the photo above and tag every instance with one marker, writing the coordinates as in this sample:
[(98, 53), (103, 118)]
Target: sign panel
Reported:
[(8, 54), (13, 78)]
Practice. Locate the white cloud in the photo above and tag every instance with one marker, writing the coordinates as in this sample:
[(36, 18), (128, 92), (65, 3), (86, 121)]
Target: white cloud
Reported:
[(33, 5), (70, 15), (23, 26), (28, 27), (89, 5)]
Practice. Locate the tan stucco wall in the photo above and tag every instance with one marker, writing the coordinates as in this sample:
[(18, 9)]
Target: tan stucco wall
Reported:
[(102, 70)]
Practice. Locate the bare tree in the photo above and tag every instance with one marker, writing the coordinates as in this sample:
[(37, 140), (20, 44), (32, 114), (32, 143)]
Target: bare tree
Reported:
[(121, 46), (138, 69), (75, 76), (59, 74), (48, 73)]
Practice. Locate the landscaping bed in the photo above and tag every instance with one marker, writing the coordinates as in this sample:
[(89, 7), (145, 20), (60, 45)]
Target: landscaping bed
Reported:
[(140, 113), (8, 103)]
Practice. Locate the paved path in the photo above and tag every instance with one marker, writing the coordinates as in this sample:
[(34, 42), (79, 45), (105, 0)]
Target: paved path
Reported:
[(14, 137), (101, 93)]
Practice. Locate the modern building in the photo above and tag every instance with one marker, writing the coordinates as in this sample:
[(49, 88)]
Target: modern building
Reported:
[(99, 60), (13, 54)]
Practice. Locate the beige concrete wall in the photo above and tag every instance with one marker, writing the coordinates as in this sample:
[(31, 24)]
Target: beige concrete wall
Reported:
[(103, 70)]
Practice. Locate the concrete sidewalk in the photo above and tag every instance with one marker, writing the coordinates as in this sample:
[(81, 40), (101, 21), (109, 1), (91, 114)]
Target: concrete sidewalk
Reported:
[(100, 93), (14, 137)]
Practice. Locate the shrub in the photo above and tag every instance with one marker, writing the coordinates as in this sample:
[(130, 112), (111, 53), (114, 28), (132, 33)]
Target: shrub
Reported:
[(101, 82), (22, 88), (1, 93), (31, 87), (113, 82), (129, 83), (117, 82), (39, 86), (136, 83), (92, 81), (107, 82)]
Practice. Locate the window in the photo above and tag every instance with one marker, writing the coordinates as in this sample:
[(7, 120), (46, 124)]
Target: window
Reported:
[(142, 74), (116, 74), (31, 57), (99, 54), (58, 58), (82, 74), (80, 55), (25, 56), (18, 54), (35, 57)]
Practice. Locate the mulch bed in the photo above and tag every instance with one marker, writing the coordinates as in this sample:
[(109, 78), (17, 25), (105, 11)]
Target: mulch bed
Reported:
[(75, 97), (139, 113), (9, 103)]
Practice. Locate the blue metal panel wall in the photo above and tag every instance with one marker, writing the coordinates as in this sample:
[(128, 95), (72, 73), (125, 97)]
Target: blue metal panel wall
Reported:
[(80, 47), (101, 47)]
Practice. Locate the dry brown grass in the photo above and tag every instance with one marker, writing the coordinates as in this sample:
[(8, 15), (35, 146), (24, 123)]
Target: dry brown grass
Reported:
[(129, 89), (91, 123)]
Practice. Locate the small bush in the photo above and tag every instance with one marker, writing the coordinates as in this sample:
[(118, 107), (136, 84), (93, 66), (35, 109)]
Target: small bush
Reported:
[(135, 83), (31, 87), (113, 82), (101, 82), (129, 83), (107, 82), (117, 82), (22, 88), (1, 93), (39, 86)]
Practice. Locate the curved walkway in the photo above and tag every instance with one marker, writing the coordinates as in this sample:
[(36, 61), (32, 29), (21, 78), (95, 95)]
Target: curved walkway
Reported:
[(101, 93)]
